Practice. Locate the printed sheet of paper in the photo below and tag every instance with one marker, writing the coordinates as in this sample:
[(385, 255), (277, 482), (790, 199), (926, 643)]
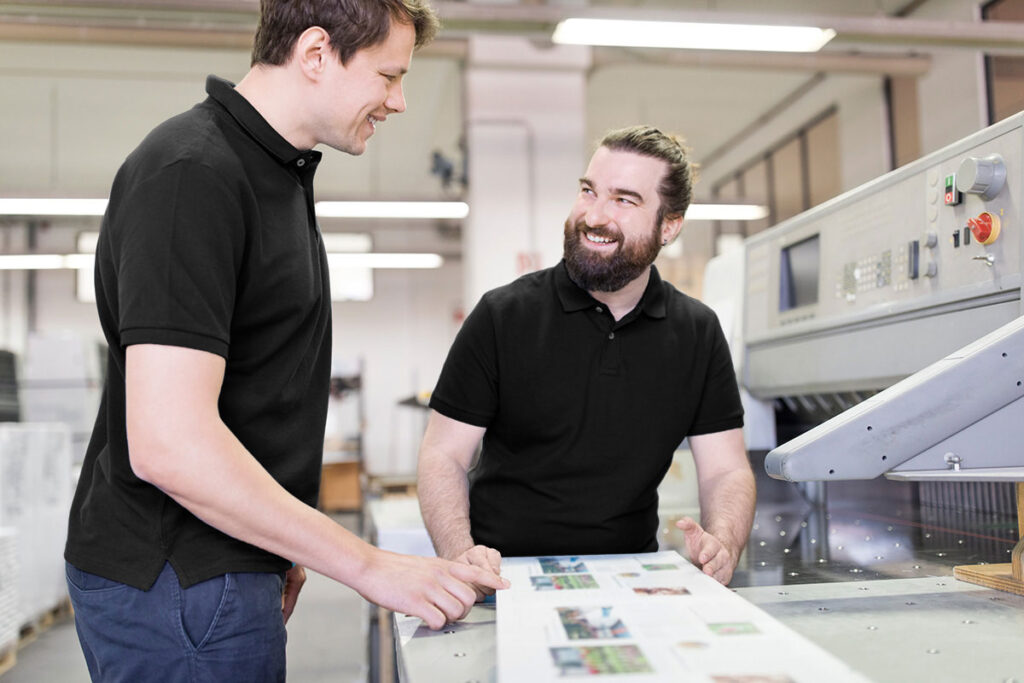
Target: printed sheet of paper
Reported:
[(647, 617)]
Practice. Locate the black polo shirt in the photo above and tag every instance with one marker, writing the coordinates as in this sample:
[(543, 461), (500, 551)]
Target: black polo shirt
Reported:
[(210, 243), (583, 413)]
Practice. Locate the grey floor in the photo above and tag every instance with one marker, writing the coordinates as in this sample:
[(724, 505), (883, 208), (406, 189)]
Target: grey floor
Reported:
[(326, 639)]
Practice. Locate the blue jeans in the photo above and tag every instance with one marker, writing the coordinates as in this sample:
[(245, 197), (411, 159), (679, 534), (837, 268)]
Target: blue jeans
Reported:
[(229, 628)]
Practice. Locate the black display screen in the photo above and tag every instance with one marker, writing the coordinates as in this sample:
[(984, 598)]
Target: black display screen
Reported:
[(798, 274)]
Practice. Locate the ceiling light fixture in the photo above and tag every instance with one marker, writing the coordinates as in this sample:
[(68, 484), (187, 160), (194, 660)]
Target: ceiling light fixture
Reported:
[(380, 260), (56, 206), (53, 206), (392, 209), (726, 212), (86, 261), (692, 36)]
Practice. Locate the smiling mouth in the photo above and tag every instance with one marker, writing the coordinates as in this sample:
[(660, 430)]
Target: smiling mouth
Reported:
[(374, 120), (598, 239)]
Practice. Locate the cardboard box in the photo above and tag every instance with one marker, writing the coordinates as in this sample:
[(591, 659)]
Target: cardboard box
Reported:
[(341, 486)]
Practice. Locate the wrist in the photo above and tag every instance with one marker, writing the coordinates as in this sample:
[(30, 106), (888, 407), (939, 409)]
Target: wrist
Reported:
[(456, 550)]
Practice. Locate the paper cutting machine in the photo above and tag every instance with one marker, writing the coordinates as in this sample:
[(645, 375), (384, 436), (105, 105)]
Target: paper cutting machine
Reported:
[(890, 317)]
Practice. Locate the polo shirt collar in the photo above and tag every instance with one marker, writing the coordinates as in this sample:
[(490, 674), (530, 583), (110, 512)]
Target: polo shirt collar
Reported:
[(573, 298), (253, 122)]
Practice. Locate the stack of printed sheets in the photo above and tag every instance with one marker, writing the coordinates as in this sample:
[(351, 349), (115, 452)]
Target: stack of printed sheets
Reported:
[(647, 617)]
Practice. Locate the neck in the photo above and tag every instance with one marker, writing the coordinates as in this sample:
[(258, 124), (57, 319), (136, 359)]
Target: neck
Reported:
[(272, 91), (622, 301)]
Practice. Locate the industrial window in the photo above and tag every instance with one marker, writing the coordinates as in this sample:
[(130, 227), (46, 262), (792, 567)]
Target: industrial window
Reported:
[(904, 120), (800, 172), (1004, 74)]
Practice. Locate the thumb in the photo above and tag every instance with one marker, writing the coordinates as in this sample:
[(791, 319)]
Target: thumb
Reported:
[(692, 532)]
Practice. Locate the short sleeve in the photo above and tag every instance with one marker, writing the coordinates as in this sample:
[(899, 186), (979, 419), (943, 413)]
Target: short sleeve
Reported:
[(176, 241), (720, 407), (467, 390)]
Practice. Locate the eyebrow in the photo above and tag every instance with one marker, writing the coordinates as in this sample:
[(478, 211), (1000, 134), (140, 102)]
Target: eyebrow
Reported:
[(618, 191)]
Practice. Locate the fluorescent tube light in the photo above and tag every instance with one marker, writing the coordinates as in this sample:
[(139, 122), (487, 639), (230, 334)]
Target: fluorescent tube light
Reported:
[(345, 242), (726, 212), (87, 261), (14, 206), (384, 260), (693, 36), (41, 206), (38, 261), (392, 209)]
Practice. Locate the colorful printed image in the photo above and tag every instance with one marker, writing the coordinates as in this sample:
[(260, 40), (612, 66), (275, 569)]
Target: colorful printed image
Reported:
[(660, 567), (752, 678), (691, 645), (606, 659), (562, 565), (591, 623), (735, 628), (562, 582), (661, 590), (630, 575)]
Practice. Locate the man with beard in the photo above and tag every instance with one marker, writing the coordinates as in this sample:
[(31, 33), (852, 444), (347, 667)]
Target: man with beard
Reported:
[(581, 380)]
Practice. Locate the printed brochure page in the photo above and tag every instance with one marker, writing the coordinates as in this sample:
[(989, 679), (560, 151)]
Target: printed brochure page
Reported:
[(646, 617)]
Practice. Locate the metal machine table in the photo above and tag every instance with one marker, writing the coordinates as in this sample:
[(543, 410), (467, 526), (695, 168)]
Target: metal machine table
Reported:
[(893, 630)]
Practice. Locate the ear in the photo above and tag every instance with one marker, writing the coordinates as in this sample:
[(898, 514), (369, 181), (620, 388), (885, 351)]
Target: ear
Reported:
[(671, 226), (312, 50)]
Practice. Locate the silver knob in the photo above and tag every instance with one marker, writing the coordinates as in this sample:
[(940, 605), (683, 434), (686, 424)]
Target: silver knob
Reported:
[(931, 239), (931, 269), (985, 176)]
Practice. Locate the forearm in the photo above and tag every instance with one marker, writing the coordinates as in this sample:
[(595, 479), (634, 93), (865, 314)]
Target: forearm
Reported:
[(443, 491), (212, 475), (727, 507)]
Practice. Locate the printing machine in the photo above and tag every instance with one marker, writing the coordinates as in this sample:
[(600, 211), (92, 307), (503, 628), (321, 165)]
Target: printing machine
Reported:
[(891, 318)]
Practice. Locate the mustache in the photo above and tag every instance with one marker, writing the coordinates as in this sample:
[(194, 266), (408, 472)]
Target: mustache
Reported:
[(580, 227)]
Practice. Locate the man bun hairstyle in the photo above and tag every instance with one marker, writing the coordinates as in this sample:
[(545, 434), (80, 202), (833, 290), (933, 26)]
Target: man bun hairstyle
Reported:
[(676, 188), (352, 25)]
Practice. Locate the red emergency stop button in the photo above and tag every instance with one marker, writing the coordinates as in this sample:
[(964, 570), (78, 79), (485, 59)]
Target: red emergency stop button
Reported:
[(984, 227)]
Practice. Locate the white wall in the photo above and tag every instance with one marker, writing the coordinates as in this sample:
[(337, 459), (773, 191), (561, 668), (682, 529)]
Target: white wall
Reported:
[(402, 337), (951, 97)]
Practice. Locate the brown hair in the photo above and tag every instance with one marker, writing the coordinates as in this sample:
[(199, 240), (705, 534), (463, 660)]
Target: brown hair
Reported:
[(676, 188), (352, 25)]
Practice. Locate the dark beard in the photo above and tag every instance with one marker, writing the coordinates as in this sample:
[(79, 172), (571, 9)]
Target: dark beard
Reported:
[(595, 272)]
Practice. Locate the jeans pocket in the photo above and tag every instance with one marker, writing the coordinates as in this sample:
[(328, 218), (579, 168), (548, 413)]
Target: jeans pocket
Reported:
[(201, 606), (86, 584)]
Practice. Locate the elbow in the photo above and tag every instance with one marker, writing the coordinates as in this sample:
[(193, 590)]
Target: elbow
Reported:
[(152, 453), (144, 458)]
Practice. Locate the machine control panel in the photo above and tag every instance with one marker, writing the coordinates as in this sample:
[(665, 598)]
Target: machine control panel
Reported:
[(939, 234)]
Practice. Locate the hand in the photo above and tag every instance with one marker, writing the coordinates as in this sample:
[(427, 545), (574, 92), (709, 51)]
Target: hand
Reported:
[(486, 558), (707, 552), (293, 580), (437, 591)]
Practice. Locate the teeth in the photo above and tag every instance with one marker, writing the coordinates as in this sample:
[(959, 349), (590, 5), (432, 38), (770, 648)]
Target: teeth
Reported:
[(372, 121), (599, 240)]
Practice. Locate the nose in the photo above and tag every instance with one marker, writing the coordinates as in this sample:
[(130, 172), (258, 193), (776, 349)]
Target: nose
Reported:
[(396, 99), (596, 214)]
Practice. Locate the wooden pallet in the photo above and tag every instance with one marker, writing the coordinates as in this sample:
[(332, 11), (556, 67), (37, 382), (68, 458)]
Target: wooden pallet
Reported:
[(391, 486), (44, 621), (1007, 577), (8, 659)]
